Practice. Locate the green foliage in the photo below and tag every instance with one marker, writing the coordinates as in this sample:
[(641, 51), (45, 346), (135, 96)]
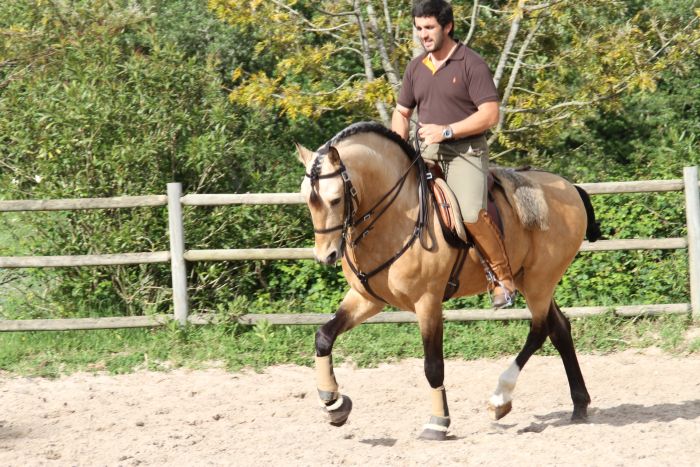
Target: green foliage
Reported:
[(51, 354), (119, 105), (113, 98)]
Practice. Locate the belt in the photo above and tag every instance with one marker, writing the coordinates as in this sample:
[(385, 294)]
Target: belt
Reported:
[(466, 139)]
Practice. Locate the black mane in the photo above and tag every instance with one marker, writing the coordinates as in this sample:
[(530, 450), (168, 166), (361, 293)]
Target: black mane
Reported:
[(369, 127)]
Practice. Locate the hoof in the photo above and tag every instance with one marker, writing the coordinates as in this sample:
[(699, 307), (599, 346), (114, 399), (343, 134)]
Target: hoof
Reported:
[(436, 429), (339, 411), (500, 411), (433, 435), (580, 415)]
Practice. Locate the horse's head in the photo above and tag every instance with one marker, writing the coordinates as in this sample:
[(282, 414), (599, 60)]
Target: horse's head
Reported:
[(328, 193)]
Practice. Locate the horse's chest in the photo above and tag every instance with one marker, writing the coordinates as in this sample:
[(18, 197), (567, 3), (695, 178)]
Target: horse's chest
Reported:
[(400, 284)]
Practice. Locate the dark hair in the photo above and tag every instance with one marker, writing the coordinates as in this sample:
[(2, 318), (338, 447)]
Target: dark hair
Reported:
[(440, 9)]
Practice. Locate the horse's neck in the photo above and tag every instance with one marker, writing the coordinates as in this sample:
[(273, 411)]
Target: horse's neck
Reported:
[(377, 174)]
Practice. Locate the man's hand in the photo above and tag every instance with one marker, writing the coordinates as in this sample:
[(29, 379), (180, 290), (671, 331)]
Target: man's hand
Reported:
[(431, 133)]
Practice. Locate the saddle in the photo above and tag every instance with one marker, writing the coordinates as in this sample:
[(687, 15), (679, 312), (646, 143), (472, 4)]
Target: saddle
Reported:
[(447, 206)]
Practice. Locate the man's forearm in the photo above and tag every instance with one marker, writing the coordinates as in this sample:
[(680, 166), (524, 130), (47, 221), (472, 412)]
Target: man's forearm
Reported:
[(477, 123)]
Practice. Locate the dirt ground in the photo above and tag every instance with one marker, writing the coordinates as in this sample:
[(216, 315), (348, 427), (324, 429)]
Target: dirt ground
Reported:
[(645, 412)]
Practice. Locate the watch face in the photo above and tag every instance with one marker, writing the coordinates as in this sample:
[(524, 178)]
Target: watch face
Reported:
[(447, 133)]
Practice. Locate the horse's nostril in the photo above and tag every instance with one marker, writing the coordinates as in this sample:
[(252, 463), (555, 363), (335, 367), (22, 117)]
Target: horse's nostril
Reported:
[(331, 258)]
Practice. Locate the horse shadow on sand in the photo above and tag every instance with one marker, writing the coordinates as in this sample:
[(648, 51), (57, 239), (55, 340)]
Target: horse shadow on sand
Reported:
[(621, 415)]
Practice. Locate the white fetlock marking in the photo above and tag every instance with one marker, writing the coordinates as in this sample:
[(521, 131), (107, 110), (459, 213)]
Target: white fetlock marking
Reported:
[(336, 405), (431, 426), (506, 385)]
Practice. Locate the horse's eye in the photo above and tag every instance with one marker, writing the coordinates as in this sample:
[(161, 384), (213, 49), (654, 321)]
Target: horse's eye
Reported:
[(335, 202)]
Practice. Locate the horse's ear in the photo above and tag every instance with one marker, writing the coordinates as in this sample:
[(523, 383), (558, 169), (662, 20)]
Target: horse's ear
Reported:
[(304, 155), (333, 155)]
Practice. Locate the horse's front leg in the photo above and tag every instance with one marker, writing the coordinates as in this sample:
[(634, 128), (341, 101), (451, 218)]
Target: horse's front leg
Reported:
[(353, 310), (431, 328)]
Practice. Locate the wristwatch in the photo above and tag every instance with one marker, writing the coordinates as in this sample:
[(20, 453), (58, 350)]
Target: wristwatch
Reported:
[(447, 132)]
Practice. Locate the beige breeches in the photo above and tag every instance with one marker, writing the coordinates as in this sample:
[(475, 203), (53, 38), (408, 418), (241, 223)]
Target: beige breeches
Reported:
[(465, 172)]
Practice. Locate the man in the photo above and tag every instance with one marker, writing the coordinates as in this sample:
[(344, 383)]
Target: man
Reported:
[(457, 102)]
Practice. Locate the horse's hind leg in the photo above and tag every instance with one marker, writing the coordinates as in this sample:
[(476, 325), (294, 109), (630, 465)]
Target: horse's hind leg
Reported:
[(353, 310), (501, 400), (560, 335)]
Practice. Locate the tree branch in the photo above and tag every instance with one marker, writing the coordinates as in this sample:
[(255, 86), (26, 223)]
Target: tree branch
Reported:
[(510, 40), (668, 42), (386, 62), (539, 123), (328, 13), (350, 49), (389, 27), (302, 17), (329, 29), (367, 60), (336, 89), (540, 6), (514, 71), (472, 26), (561, 105)]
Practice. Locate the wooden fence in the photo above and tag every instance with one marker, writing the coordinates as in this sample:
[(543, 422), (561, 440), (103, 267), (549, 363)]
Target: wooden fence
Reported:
[(178, 256)]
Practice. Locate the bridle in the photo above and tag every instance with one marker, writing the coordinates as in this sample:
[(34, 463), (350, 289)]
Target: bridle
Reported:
[(350, 220), (350, 200)]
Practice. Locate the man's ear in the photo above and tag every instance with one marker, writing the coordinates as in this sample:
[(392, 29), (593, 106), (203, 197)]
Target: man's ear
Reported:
[(304, 155), (333, 156)]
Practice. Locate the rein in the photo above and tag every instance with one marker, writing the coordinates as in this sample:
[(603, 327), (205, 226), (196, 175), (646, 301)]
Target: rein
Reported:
[(349, 221)]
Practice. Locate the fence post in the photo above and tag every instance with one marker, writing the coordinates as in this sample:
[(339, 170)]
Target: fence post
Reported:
[(177, 253), (692, 215)]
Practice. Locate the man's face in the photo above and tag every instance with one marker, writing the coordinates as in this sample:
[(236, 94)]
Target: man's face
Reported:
[(431, 34)]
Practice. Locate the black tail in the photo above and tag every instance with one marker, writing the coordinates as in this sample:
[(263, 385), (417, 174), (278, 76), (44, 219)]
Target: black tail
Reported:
[(593, 232)]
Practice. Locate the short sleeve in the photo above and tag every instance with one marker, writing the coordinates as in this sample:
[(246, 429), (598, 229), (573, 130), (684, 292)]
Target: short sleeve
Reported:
[(481, 86), (407, 97)]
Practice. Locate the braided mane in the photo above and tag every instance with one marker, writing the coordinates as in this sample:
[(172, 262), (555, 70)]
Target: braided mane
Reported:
[(315, 171), (368, 127)]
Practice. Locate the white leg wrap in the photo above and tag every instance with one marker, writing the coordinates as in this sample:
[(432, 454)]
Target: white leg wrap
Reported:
[(336, 405), (432, 426), (506, 385)]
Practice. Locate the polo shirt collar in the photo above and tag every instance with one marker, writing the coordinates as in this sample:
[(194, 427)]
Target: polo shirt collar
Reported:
[(459, 53)]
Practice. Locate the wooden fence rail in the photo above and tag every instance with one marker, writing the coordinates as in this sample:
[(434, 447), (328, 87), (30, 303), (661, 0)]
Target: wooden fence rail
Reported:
[(178, 256)]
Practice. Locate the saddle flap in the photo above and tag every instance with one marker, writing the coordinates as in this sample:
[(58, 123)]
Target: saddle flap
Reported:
[(448, 209), (448, 206)]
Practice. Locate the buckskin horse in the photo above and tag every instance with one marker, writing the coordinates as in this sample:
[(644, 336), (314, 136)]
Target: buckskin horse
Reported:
[(366, 190)]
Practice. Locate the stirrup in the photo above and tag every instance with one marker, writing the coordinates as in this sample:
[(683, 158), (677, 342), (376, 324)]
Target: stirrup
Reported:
[(508, 298), (494, 283)]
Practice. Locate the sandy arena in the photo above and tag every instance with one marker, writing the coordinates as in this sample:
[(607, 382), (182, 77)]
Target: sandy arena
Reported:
[(645, 412)]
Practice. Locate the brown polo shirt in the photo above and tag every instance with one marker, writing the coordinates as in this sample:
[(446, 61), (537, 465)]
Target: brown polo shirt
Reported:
[(453, 92)]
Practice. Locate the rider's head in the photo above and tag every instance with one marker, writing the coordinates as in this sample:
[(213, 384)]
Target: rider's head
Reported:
[(439, 9)]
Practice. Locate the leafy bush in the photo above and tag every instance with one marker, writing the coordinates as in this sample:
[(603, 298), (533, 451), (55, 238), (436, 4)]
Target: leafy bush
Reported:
[(113, 98)]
